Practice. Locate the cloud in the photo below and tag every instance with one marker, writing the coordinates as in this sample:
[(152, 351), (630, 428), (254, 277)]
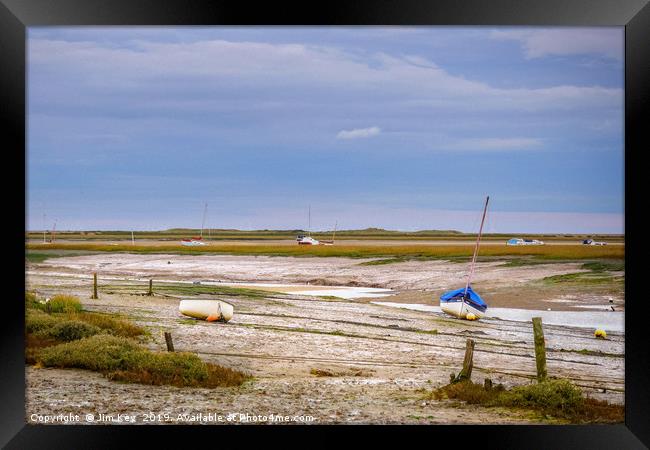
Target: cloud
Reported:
[(564, 41), (496, 144), (358, 133), (155, 76)]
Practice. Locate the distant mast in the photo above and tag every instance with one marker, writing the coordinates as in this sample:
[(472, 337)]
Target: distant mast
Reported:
[(478, 240), (205, 210), (334, 233), (132, 238), (309, 227), (44, 230)]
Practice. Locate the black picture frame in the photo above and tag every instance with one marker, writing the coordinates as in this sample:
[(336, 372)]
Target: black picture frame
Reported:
[(16, 15)]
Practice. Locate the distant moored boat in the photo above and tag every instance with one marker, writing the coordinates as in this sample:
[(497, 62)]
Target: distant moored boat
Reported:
[(194, 241)]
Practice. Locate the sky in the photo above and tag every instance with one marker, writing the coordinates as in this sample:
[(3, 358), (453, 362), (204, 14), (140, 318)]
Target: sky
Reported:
[(403, 128)]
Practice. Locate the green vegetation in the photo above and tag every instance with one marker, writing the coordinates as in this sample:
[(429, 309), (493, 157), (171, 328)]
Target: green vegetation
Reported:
[(544, 252), (36, 257), (74, 338), (70, 330), (422, 331), (584, 351), (598, 275), (557, 398), (380, 262), (47, 253), (582, 278), (605, 265), (123, 359), (57, 304), (368, 233), (193, 289)]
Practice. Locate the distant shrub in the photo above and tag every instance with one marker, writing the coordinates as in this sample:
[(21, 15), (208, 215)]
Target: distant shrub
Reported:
[(71, 330), (551, 394), (36, 321), (556, 398), (65, 304)]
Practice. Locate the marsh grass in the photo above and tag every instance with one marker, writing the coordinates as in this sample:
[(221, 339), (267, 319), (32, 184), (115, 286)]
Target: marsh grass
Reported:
[(358, 251), (381, 262), (123, 359), (105, 344), (64, 304), (605, 266), (583, 278), (112, 325), (57, 304), (557, 398), (67, 320), (36, 257), (212, 290)]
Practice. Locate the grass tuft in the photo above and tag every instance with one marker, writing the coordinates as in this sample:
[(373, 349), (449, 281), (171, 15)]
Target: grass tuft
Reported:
[(64, 304), (111, 325), (556, 398)]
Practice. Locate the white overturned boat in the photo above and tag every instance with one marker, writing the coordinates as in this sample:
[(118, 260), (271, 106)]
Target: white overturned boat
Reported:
[(210, 310), (464, 303)]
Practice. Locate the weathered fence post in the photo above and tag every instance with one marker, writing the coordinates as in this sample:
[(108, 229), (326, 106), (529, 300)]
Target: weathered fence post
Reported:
[(150, 293), (168, 339), (94, 286), (540, 349), (468, 362)]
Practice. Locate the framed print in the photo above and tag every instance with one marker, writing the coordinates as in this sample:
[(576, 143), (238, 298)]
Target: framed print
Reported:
[(402, 215)]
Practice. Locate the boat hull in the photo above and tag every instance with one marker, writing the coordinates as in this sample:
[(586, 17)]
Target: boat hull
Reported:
[(460, 309), (210, 310), (192, 243)]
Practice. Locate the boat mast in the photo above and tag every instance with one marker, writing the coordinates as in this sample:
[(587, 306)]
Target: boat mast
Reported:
[(205, 210), (309, 227), (334, 234), (478, 240)]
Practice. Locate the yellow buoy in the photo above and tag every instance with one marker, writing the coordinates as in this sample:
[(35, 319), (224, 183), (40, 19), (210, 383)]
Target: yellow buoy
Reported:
[(600, 334), (470, 316)]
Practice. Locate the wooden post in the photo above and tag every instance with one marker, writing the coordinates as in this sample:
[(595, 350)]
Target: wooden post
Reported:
[(94, 296), (48, 306), (168, 339), (468, 362), (150, 293), (540, 349)]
